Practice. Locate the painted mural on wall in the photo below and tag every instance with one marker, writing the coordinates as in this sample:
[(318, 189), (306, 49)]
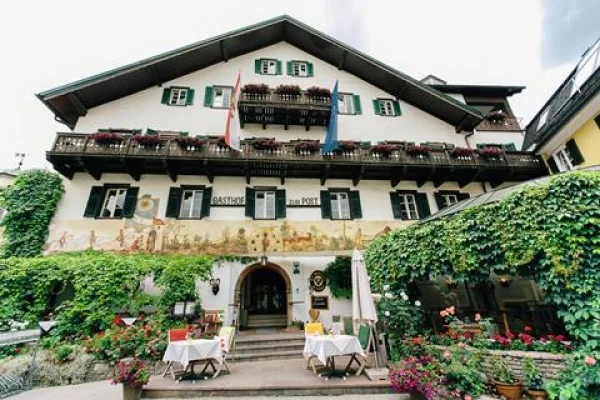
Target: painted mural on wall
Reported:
[(145, 232)]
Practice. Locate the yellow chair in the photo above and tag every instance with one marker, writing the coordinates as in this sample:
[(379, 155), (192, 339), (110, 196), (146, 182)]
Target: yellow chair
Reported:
[(311, 329)]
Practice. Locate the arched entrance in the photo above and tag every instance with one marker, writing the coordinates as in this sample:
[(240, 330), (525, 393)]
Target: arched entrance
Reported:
[(263, 294)]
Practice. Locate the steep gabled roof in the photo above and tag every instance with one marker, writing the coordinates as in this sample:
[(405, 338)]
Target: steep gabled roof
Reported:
[(70, 101)]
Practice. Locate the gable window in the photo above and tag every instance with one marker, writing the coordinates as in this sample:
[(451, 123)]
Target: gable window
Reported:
[(446, 198), (178, 96), (111, 202), (265, 66), (387, 107), (265, 203), (349, 104), (340, 204), (300, 68), (189, 202), (409, 205), (566, 158), (217, 96)]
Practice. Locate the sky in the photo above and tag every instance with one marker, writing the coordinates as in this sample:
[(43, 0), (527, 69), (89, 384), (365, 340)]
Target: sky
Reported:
[(533, 43)]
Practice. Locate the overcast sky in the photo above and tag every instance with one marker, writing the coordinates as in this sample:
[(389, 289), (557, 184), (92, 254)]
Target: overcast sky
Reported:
[(49, 43)]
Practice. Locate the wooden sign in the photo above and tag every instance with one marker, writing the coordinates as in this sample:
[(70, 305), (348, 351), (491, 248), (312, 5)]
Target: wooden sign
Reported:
[(319, 302)]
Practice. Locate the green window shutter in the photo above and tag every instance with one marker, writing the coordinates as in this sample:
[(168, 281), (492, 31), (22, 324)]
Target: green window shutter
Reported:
[(151, 132), (357, 106), (573, 150), (189, 100), (184, 134), (257, 65), (355, 209), (325, 204), (481, 145), (289, 68), (92, 209), (552, 165), (439, 200), (250, 202), (280, 203), (510, 147), (130, 202), (376, 107), (463, 196), (396, 209), (397, 111), (208, 96), (310, 69), (422, 205), (278, 67), (174, 203), (206, 196), (166, 96)]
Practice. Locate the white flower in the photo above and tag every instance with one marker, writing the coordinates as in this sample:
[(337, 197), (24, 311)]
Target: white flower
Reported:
[(387, 313), (402, 294), (418, 303), (404, 297), (386, 287), (388, 295)]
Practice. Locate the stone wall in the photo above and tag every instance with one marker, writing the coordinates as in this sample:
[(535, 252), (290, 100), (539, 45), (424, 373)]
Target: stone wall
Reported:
[(103, 370)]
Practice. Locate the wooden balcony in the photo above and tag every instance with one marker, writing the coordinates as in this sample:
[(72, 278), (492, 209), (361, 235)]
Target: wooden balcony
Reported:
[(274, 109), (508, 124), (74, 152)]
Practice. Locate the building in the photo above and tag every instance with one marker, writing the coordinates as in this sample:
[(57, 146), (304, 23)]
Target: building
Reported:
[(566, 130), (408, 151)]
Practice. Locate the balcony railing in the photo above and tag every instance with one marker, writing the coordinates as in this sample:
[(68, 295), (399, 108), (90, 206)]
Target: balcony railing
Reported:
[(507, 124), (79, 152)]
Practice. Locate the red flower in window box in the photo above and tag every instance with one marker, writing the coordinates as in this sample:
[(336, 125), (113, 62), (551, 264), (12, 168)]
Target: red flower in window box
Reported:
[(462, 152), (315, 91), (347, 145), (266, 144), (383, 149), (220, 141), (307, 145), (149, 140), (288, 90), (415, 150), (260, 88), (189, 142), (489, 152), (106, 139)]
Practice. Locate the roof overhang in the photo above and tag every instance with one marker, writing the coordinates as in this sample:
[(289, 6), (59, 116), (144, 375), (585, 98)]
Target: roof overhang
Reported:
[(480, 90), (73, 100)]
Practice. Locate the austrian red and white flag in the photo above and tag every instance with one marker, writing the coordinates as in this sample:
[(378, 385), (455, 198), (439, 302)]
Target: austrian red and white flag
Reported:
[(232, 126)]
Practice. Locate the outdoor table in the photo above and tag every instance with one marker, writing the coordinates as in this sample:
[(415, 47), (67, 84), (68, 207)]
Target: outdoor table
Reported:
[(326, 347), (186, 352)]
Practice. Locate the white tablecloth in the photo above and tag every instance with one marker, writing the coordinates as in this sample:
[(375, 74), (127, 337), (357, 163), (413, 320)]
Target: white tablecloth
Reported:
[(184, 351), (326, 346)]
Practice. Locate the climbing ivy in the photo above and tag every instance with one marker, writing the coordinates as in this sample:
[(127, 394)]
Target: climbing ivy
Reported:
[(339, 277), (30, 201), (549, 231)]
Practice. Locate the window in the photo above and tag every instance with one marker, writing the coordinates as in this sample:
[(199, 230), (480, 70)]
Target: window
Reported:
[(217, 96), (349, 103), (111, 202), (265, 203), (178, 96), (543, 118), (500, 146), (189, 202), (446, 198), (386, 107), (267, 67), (340, 204), (450, 199), (299, 68), (567, 157), (409, 205)]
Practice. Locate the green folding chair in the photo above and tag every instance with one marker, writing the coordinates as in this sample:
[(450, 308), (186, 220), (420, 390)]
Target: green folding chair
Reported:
[(364, 338), (348, 326)]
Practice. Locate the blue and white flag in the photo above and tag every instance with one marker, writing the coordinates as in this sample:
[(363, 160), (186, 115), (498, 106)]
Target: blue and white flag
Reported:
[(331, 138)]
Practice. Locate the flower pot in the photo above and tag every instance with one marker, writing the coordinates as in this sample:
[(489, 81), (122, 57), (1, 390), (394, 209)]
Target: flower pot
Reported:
[(511, 391), (537, 394), (132, 392)]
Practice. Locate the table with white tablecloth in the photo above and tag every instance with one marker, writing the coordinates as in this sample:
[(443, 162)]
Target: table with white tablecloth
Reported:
[(186, 352), (326, 347)]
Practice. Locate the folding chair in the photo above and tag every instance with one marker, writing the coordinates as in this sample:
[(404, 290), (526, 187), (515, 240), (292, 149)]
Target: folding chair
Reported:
[(227, 335), (364, 338), (310, 329), (175, 335), (348, 326)]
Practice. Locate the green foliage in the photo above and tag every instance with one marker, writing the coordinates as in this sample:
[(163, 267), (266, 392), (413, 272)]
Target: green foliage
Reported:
[(400, 317), (548, 231), (533, 379), (501, 372), (31, 201), (178, 278), (63, 352), (339, 277), (579, 380), (463, 374)]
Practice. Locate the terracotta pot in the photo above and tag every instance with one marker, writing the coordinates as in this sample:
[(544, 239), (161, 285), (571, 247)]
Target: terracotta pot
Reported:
[(132, 392), (537, 394), (512, 391)]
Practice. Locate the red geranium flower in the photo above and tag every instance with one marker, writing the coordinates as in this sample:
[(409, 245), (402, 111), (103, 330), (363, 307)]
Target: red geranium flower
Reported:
[(528, 329)]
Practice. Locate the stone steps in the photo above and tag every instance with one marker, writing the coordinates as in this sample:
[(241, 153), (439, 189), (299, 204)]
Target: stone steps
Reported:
[(265, 356), (267, 321), (277, 346)]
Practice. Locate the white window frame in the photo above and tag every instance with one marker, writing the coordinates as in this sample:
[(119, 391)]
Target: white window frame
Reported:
[(386, 107), (543, 118), (193, 212), (178, 96), (300, 68), (408, 203), (265, 204), (268, 67), (449, 199), (346, 104), (340, 205), (224, 98), (563, 159), (113, 205)]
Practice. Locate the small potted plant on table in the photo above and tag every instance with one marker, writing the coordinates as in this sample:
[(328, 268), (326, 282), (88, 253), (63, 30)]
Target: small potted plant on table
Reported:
[(133, 375), (534, 381), (505, 380)]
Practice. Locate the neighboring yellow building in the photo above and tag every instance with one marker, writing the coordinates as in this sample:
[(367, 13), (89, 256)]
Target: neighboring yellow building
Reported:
[(566, 131)]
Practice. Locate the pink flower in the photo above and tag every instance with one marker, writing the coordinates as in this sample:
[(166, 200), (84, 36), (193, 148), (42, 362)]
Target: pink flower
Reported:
[(589, 360), (447, 354), (477, 317), (461, 345), (443, 313), (451, 310), (467, 397)]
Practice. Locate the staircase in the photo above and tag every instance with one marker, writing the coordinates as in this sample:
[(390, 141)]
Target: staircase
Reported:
[(267, 321), (275, 346)]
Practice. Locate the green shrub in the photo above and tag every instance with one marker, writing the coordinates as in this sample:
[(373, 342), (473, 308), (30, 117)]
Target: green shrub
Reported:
[(339, 277), (579, 380)]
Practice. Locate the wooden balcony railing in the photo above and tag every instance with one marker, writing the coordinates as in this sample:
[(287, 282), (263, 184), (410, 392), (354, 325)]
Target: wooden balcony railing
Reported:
[(507, 124)]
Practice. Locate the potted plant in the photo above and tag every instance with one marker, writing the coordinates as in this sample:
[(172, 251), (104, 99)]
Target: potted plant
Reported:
[(190, 143), (106, 138), (383, 150), (307, 146), (148, 140), (489, 152), (266, 144), (505, 380), (496, 116), (288, 92), (133, 375), (533, 380), (255, 91), (462, 152), (416, 150), (319, 94)]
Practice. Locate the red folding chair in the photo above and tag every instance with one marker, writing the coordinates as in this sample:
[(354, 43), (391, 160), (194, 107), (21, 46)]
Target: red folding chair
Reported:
[(175, 335)]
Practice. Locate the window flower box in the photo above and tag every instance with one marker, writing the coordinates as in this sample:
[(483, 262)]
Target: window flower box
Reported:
[(462, 152), (348, 146), (266, 144), (496, 116), (307, 146), (288, 92), (383, 150), (255, 91), (490, 152), (219, 142), (415, 150), (318, 94), (190, 143), (107, 139), (146, 141)]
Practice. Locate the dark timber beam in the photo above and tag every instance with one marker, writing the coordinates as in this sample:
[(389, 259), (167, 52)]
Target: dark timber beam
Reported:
[(223, 51), (464, 181), (342, 60), (396, 175), (325, 174), (132, 169), (283, 174), (170, 169), (79, 106), (209, 171), (247, 173), (65, 171), (361, 172), (494, 183), (90, 169)]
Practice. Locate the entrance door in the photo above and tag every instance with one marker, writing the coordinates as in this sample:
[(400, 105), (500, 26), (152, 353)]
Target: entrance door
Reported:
[(263, 299)]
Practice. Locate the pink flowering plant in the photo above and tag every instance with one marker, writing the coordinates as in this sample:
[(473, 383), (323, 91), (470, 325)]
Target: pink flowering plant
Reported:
[(131, 373), (420, 375)]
